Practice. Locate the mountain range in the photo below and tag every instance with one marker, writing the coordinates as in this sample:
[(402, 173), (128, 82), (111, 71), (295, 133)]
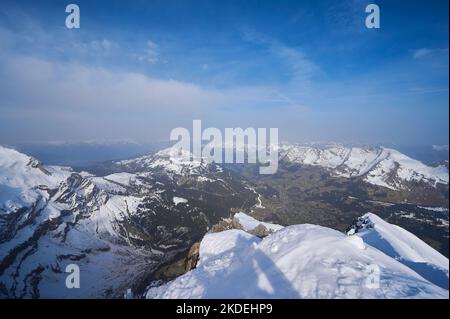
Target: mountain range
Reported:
[(123, 221)]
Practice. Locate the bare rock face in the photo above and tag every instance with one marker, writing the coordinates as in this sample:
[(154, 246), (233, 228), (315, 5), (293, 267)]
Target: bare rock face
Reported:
[(233, 223), (192, 257), (179, 267), (226, 224)]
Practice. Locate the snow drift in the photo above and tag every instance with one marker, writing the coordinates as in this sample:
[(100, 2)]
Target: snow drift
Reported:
[(403, 246)]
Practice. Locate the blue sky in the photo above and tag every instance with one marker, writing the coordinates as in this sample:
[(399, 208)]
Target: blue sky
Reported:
[(137, 69)]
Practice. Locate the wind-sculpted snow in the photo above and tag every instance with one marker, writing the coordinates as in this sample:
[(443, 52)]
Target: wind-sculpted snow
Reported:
[(379, 166), (248, 223), (405, 247), (300, 261)]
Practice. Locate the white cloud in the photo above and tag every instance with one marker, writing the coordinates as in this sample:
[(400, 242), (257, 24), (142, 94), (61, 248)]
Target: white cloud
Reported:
[(74, 86), (46, 100)]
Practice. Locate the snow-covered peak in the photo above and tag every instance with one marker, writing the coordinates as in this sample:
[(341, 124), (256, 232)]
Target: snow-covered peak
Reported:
[(21, 171), (23, 179), (10, 157), (171, 159), (376, 165), (410, 169), (299, 261)]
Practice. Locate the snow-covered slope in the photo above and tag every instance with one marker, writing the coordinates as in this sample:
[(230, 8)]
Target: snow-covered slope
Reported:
[(50, 217), (405, 247), (379, 166), (299, 261)]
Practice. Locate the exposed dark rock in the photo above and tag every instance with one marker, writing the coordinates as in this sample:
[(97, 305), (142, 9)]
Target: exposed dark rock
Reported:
[(260, 231), (192, 257)]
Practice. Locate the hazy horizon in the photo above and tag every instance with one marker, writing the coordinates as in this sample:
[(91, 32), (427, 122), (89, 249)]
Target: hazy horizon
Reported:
[(87, 153)]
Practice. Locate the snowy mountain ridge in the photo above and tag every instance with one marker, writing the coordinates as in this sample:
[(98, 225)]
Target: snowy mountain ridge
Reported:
[(376, 165), (172, 160), (52, 216), (118, 228)]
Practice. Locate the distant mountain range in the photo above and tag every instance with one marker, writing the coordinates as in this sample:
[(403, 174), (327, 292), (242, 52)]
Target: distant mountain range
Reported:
[(87, 153), (379, 166)]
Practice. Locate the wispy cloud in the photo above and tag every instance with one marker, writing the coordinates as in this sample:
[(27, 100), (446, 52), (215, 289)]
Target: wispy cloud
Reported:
[(440, 148), (150, 54), (427, 52), (302, 67)]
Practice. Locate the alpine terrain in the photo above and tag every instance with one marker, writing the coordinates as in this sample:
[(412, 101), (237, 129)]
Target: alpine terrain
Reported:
[(167, 226)]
